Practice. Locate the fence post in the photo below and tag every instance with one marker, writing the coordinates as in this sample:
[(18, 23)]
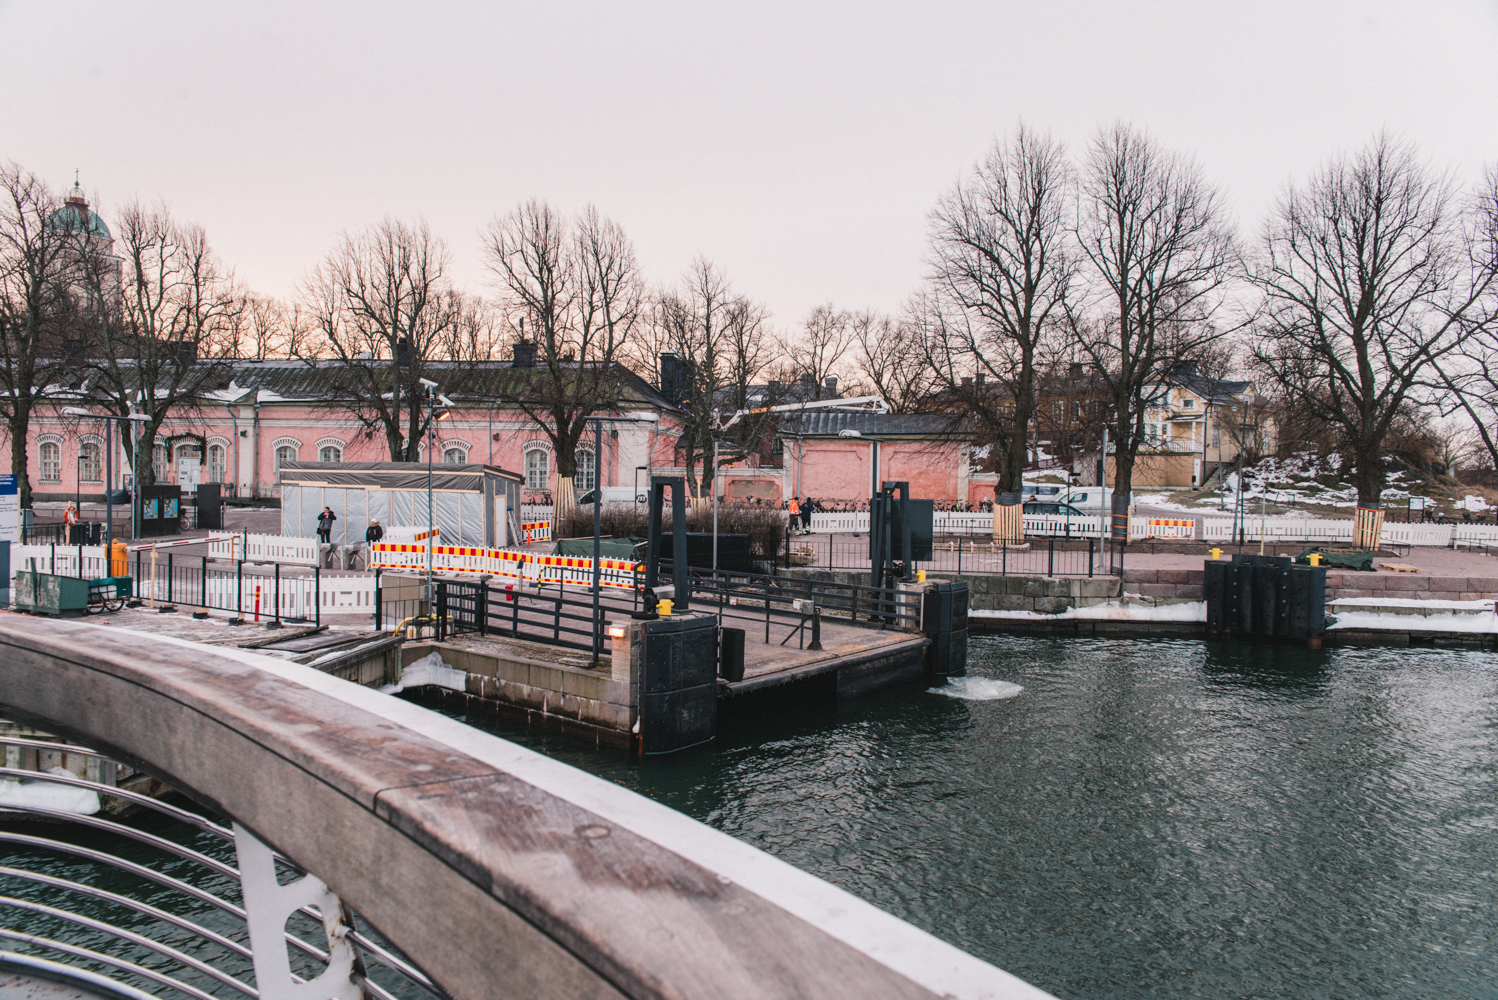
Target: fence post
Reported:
[(203, 590), (441, 629), (135, 583), (277, 618), (169, 578), (959, 555), (80, 558), (1089, 556), (239, 592), (1050, 566), (317, 594), (1004, 559), (483, 608), (378, 623)]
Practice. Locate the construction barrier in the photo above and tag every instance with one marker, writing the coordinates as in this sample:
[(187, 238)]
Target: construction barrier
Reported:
[(508, 565), (536, 531), (1163, 527)]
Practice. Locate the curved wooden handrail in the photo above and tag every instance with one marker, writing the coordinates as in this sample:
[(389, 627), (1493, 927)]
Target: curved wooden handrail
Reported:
[(499, 872)]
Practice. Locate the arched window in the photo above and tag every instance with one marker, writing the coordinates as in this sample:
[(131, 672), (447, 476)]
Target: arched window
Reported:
[(285, 453), (159, 464), (216, 463), (586, 467), (90, 468), (537, 469), (455, 456), (51, 456), (330, 453)]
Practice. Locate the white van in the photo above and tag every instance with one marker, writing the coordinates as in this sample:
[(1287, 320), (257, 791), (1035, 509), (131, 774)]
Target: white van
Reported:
[(1092, 499)]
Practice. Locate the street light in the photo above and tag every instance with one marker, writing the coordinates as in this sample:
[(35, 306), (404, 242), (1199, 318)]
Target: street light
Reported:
[(109, 419), (598, 422), (432, 417)]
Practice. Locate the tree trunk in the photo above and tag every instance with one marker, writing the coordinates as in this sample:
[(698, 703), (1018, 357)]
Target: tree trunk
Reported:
[(1369, 475), (1123, 484), (563, 507), (20, 429)]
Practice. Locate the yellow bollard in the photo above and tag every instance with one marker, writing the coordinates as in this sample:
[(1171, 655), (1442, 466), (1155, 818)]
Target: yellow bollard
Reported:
[(920, 576), (1216, 554), (663, 607), (118, 565), (1315, 558)]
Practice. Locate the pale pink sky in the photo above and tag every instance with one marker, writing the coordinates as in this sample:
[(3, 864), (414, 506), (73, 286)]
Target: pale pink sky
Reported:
[(800, 146)]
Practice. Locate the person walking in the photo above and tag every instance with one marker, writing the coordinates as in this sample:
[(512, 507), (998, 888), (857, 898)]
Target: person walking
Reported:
[(794, 510), (325, 525), (808, 508), (374, 532)]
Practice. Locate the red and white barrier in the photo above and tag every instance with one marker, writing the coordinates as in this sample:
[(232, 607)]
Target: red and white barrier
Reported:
[(507, 565)]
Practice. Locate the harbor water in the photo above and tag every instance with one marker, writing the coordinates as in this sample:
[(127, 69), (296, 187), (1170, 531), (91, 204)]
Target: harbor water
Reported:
[(1142, 818)]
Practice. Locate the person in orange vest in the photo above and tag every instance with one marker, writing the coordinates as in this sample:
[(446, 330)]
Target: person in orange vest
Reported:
[(794, 508)]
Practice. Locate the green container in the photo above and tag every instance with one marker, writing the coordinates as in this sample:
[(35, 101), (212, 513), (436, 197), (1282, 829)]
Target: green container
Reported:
[(45, 594)]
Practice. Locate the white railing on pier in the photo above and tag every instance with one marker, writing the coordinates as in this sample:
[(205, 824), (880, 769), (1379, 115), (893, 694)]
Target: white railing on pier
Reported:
[(60, 560)]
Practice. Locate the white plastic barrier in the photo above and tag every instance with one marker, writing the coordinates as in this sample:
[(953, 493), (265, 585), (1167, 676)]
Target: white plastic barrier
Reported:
[(266, 548), (60, 560)]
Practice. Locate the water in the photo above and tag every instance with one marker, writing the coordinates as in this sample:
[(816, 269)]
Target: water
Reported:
[(1134, 818)]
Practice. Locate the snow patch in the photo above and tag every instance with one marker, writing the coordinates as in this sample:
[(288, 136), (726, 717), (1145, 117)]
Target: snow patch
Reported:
[(43, 794), (977, 689), (1353, 603), (1189, 611), (1369, 621), (431, 670)]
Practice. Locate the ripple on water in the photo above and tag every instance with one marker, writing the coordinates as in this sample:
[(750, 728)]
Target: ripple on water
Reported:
[(977, 689)]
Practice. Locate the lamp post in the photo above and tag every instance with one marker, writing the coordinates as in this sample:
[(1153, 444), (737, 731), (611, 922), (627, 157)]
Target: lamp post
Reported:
[(597, 491), (433, 396), (109, 422)]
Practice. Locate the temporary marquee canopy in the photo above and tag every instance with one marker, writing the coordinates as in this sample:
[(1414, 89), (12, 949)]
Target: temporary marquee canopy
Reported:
[(473, 505)]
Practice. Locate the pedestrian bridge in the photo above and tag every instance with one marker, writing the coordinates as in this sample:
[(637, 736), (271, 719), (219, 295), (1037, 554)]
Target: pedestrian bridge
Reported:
[(451, 862)]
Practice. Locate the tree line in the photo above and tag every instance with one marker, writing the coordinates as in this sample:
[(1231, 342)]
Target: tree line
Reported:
[(1368, 296)]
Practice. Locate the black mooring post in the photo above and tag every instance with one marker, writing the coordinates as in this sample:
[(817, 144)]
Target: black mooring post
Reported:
[(904, 490)]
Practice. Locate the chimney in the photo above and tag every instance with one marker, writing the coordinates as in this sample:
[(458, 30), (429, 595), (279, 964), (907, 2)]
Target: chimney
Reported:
[(676, 378), (830, 383), (967, 381), (525, 354), (980, 380), (1076, 371), (403, 352)]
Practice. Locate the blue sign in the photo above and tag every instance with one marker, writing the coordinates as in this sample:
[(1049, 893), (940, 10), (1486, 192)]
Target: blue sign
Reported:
[(148, 509), (10, 509)]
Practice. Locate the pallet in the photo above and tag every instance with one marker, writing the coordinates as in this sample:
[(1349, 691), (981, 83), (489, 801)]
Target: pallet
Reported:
[(1399, 567)]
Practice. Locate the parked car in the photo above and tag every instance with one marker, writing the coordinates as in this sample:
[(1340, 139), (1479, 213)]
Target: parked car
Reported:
[(1053, 509)]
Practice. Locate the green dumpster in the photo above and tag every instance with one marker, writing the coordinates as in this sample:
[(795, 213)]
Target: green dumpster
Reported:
[(46, 594)]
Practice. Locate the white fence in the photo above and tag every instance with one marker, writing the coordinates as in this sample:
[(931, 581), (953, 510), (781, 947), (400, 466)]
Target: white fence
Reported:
[(61, 560), (508, 566), (266, 548)]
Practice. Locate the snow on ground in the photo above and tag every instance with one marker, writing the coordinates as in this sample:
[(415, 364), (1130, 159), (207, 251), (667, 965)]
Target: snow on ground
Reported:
[(1353, 603), (43, 794), (1369, 621), (430, 669), (1188, 611)]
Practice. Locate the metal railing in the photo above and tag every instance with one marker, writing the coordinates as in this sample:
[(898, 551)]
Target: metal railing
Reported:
[(1043, 556), (253, 591), (793, 602), (122, 893)]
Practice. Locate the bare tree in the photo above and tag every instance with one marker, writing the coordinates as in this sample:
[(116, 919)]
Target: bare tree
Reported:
[(1000, 253), (1159, 253), (161, 309), (890, 360), (1370, 275), (1470, 380), (36, 255), (384, 312), (577, 283), (817, 353)]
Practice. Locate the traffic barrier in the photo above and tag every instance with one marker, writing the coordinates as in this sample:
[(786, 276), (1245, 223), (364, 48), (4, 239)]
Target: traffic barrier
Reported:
[(508, 565), (1164, 527), (536, 531)]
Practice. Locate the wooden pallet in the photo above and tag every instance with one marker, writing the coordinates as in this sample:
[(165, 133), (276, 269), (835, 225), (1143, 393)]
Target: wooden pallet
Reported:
[(1399, 567)]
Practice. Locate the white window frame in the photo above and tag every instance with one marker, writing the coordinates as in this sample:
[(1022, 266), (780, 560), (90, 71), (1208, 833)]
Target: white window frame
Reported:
[(98, 470), (579, 484), (543, 467), (218, 471), (55, 443)]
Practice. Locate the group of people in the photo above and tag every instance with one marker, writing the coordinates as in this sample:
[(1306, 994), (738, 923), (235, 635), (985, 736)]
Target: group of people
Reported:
[(801, 509), (325, 521)]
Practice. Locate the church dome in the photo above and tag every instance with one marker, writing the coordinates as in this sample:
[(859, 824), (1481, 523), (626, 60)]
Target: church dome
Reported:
[(75, 216)]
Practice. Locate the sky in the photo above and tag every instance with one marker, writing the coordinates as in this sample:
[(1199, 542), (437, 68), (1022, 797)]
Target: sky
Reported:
[(800, 147)]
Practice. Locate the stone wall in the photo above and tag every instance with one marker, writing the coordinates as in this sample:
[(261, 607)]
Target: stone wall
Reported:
[(1047, 595), (1186, 584)]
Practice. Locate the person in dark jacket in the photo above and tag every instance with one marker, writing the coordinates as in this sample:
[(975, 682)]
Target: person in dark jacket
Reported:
[(374, 532), (325, 525), (808, 507)]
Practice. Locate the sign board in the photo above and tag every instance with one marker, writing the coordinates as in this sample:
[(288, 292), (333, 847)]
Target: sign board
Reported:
[(1417, 503), (189, 473), (10, 510)]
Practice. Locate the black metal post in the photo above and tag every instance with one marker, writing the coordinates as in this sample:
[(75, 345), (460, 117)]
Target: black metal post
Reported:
[(483, 608), (378, 624), (597, 528), (1050, 566), (1089, 557), (168, 577), (441, 628), (816, 628), (317, 593), (204, 588), (239, 591), (276, 622)]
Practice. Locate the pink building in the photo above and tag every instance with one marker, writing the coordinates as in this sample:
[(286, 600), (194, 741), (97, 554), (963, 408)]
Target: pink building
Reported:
[(262, 413)]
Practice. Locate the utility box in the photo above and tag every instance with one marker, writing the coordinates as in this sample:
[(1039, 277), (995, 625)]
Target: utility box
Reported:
[(678, 682), (210, 505), (160, 510)]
